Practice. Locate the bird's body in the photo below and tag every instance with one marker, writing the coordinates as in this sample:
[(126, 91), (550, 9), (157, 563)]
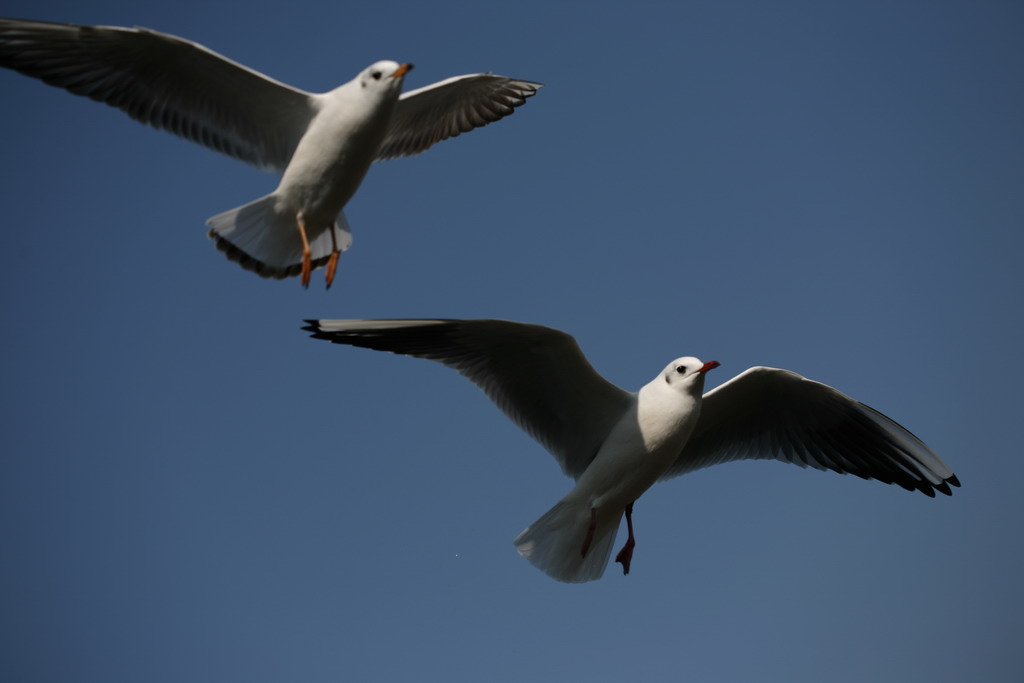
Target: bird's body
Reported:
[(327, 167), (336, 151), (322, 144), (637, 451), (617, 444), (640, 447)]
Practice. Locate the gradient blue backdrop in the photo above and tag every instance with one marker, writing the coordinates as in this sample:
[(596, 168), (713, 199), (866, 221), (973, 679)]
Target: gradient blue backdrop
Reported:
[(193, 490)]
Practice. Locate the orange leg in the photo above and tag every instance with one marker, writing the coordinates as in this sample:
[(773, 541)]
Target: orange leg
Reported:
[(626, 554), (332, 263), (590, 532), (307, 255)]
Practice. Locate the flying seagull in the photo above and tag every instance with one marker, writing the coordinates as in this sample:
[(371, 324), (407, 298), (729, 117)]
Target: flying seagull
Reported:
[(322, 144), (617, 444)]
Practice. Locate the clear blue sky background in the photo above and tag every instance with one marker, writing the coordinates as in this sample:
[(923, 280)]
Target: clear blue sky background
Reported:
[(193, 490)]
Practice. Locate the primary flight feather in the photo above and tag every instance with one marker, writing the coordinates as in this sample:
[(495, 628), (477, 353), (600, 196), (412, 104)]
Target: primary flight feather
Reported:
[(322, 144), (617, 444)]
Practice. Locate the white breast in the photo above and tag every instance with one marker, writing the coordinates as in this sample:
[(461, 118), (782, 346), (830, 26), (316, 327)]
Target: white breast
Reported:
[(640, 448)]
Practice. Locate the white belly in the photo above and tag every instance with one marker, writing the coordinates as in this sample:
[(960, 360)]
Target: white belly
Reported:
[(328, 166), (636, 453)]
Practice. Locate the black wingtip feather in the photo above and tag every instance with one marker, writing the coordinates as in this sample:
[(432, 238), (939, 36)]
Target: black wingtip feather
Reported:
[(316, 333)]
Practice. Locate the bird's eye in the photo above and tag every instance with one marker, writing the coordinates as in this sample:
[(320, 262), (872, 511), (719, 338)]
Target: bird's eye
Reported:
[(376, 75), (681, 369)]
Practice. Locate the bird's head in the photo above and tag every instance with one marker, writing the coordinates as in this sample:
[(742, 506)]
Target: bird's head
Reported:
[(384, 76), (687, 374)]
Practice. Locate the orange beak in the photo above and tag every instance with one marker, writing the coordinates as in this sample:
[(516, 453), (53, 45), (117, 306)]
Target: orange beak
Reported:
[(401, 71), (710, 365)]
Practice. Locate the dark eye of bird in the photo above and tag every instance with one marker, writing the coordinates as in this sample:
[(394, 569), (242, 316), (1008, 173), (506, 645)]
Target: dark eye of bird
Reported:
[(681, 369), (376, 75)]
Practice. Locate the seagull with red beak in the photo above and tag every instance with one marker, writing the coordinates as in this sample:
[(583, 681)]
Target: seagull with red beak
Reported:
[(616, 444)]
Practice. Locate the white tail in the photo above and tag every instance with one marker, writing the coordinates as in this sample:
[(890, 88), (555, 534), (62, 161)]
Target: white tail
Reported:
[(554, 542), (267, 242)]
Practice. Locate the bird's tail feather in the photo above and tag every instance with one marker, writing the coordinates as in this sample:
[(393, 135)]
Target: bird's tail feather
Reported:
[(554, 542), (267, 242)]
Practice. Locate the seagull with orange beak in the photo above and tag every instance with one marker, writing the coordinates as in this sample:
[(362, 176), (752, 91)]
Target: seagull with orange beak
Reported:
[(323, 144)]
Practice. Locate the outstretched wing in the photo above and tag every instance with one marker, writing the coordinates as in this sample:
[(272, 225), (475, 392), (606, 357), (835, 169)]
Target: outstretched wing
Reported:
[(450, 107), (766, 413), (166, 82), (536, 375)]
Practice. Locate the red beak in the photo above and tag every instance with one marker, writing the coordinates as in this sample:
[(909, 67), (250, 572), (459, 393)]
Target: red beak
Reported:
[(710, 365)]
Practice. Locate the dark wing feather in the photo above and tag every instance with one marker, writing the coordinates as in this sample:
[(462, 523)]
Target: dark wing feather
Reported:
[(166, 82), (450, 107), (765, 413), (536, 375)]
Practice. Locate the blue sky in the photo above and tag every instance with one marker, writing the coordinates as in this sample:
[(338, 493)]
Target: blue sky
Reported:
[(193, 490)]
